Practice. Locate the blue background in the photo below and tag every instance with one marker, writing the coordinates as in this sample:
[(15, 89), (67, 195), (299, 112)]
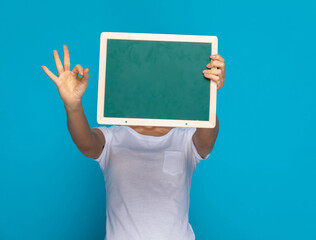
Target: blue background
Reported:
[(258, 183)]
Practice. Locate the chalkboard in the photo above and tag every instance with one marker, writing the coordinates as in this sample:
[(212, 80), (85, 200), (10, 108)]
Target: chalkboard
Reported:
[(156, 80)]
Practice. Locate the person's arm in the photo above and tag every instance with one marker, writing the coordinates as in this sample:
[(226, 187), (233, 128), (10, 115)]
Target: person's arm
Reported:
[(90, 142), (71, 88), (204, 138)]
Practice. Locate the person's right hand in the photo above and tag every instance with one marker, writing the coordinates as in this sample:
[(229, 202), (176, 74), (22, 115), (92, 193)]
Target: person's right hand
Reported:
[(70, 86)]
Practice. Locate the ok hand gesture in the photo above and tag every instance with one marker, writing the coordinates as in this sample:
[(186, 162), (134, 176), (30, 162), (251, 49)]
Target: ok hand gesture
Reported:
[(70, 86)]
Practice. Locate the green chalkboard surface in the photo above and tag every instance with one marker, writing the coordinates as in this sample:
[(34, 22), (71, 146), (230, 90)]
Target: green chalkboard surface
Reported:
[(155, 82)]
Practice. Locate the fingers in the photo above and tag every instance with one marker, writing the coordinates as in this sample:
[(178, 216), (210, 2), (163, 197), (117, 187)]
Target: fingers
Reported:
[(215, 71), (217, 57), (213, 77), (59, 65), (66, 58), (78, 69), (85, 75), (217, 79), (216, 63), (51, 75)]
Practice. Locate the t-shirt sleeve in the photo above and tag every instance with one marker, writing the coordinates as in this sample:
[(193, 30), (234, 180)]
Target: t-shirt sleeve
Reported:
[(195, 156), (104, 156)]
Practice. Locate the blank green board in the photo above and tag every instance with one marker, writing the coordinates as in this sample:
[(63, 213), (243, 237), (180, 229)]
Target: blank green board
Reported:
[(157, 80)]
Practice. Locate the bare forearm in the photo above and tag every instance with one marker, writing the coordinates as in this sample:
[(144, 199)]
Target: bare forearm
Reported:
[(207, 136), (78, 126)]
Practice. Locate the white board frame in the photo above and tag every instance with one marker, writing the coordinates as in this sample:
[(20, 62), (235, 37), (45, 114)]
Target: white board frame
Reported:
[(153, 122)]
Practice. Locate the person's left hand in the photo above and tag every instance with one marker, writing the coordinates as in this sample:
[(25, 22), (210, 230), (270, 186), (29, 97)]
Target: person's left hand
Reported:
[(216, 71)]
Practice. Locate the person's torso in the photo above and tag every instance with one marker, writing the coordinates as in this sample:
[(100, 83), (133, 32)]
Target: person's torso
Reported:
[(148, 182)]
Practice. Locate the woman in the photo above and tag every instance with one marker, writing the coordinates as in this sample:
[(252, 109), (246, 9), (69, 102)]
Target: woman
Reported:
[(147, 170)]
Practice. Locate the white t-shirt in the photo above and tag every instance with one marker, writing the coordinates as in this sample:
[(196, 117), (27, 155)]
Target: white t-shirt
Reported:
[(148, 180)]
